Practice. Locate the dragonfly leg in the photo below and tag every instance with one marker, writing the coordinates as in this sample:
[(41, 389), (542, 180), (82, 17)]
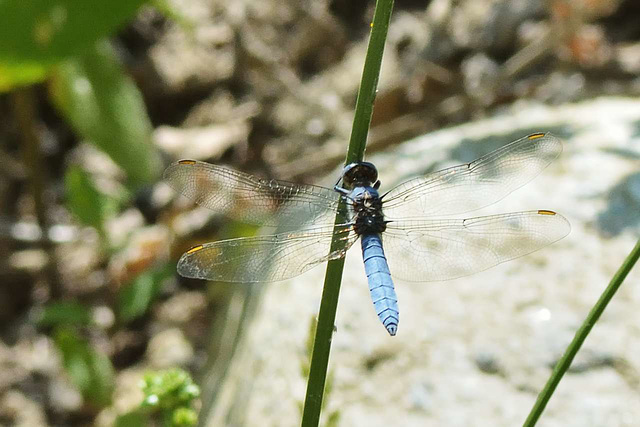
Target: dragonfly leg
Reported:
[(341, 190)]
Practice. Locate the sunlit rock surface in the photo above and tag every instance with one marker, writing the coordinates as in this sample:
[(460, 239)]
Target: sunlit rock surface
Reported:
[(474, 351)]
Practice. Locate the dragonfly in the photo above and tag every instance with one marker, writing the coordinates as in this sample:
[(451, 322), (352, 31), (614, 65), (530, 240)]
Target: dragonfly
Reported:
[(406, 233)]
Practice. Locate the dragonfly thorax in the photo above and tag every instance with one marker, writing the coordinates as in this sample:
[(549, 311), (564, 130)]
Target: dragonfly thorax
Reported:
[(366, 207)]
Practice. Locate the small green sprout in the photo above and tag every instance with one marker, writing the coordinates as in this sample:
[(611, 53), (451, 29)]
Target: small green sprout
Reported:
[(171, 394)]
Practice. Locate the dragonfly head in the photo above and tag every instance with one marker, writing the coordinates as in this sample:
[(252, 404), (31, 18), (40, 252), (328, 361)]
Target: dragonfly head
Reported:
[(360, 174)]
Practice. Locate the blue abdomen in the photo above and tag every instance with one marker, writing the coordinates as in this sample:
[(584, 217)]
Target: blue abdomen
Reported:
[(381, 288)]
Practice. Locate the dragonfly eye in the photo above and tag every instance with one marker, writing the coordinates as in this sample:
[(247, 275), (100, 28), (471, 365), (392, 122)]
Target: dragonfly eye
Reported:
[(359, 174)]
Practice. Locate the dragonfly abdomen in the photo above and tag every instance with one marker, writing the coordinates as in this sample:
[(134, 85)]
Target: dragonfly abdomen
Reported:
[(381, 287)]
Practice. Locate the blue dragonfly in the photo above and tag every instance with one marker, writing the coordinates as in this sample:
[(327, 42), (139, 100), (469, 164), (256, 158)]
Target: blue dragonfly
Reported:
[(408, 223)]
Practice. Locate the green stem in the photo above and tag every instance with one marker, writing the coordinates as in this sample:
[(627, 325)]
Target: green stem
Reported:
[(369, 82), (25, 110), (333, 278), (581, 335)]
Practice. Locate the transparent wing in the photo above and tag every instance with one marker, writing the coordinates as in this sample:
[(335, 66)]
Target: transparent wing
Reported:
[(427, 250), (264, 258), (474, 185), (251, 199)]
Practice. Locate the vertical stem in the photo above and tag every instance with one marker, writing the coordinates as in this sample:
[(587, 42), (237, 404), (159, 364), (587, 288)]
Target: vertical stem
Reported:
[(24, 111), (369, 83), (322, 344), (357, 144), (593, 316)]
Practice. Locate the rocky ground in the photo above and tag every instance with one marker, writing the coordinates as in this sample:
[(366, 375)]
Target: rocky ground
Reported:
[(476, 350)]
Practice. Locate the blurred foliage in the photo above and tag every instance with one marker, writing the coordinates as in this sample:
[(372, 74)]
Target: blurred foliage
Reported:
[(36, 34), (135, 299), (169, 395), (66, 42), (15, 75), (65, 313), (132, 419), (104, 106), (85, 201), (90, 370)]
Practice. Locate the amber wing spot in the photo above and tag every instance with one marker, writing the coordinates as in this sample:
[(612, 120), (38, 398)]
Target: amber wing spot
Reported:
[(187, 162), (545, 212), (536, 136), (195, 249)]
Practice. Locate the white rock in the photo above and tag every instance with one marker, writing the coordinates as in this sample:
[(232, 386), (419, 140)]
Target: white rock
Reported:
[(523, 313)]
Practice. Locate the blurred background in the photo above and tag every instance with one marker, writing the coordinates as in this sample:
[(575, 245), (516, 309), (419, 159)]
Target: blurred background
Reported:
[(96, 98)]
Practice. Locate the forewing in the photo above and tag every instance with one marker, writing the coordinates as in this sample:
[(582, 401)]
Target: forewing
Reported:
[(474, 185), (427, 250), (253, 200), (265, 258)]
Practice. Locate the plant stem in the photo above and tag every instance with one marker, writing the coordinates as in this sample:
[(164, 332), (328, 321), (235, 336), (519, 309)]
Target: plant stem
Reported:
[(369, 83), (333, 278), (593, 316), (24, 105)]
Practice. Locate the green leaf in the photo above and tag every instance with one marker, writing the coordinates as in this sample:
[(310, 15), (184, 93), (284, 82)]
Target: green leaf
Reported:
[(85, 201), (91, 371), (65, 313), (134, 299), (15, 75), (37, 34), (169, 389), (104, 106), (48, 31), (184, 417)]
